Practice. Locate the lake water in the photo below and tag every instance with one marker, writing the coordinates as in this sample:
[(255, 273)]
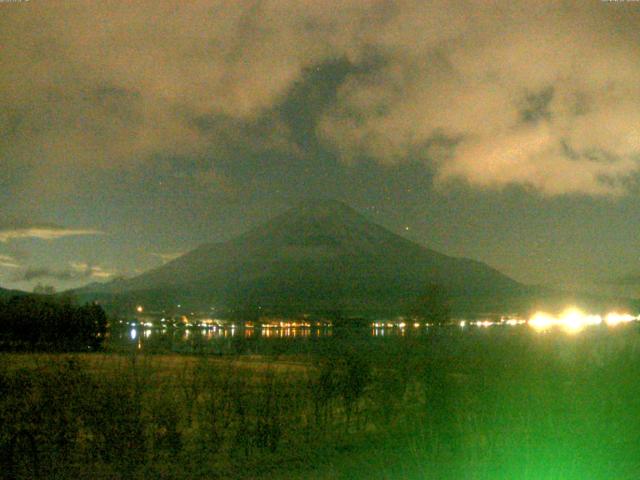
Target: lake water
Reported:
[(285, 337)]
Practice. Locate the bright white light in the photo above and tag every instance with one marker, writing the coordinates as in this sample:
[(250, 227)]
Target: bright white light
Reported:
[(479, 323), (573, 320), (542, 321), (133, 333), (612, 319), (514, 321)]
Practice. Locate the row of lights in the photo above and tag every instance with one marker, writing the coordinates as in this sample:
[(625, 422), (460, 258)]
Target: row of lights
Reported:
[(571, 320), (574, 320)]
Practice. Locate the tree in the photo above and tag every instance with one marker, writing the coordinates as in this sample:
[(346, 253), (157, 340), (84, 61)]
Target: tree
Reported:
[(51, 323)]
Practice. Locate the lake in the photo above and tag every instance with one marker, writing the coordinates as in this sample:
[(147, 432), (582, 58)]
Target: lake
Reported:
[(304, 337)]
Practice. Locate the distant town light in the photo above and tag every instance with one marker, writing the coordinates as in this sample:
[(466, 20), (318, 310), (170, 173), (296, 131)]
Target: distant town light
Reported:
[(483, 323), (541, 321), (613, 318), (139, 309), (573, 320)]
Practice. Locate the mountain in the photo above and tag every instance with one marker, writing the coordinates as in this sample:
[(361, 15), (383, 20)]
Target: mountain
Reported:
[(319, 256), (4, 293)]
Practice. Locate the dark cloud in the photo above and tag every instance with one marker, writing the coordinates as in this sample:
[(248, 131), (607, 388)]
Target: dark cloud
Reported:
[(536, 106), (43, 272), (76, 271)]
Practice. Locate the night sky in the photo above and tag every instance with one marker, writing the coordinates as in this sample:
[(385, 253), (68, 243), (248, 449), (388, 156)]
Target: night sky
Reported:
[(507, 131)]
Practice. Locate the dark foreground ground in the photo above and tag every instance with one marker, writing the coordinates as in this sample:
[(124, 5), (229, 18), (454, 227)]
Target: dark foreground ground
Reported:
[(492, 403)]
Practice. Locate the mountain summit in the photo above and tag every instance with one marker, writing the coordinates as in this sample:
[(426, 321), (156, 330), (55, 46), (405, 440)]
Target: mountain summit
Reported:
[(318, 256)]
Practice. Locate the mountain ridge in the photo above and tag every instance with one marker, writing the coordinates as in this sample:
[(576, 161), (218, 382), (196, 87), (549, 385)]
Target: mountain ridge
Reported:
[(7, 293), (317, 255)]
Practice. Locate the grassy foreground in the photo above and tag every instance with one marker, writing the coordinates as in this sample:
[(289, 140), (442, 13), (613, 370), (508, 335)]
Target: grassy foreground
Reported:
[(501, 404)]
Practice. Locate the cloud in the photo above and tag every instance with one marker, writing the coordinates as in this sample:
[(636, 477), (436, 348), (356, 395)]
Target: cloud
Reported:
[(144, 76), (44, 233), (34, 273), (541, 97), (7, 261), (541, 94), (167, 257), (83, 269), (76, 271), (12, 228)]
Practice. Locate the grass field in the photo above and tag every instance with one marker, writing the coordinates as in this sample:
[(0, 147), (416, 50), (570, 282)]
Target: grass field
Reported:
[(484, 404)]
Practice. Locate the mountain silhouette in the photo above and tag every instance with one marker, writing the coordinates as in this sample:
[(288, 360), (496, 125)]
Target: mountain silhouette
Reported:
[(5, 293), (321, 255)]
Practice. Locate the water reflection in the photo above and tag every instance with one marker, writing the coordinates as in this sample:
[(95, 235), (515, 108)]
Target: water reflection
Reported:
[(287, 330), (211, 333)]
